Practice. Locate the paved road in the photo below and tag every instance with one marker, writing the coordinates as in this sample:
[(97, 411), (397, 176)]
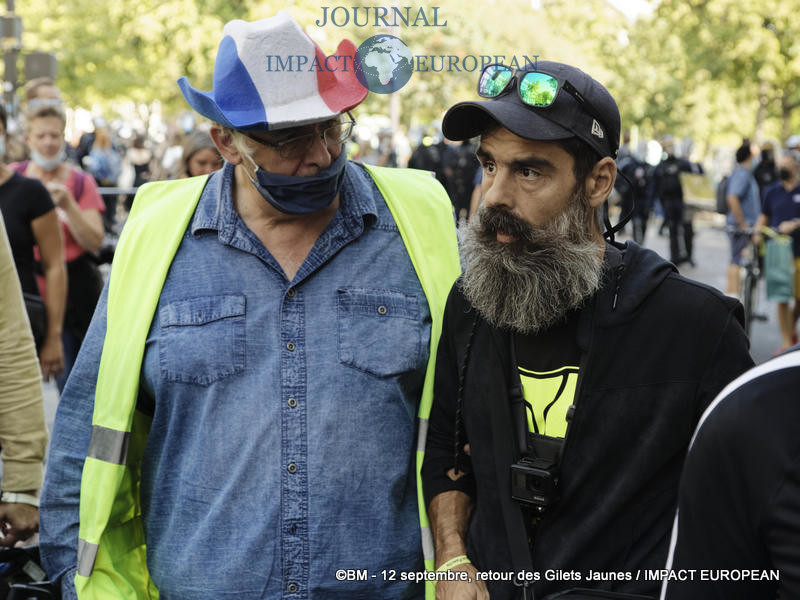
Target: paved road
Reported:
[(711, 256)]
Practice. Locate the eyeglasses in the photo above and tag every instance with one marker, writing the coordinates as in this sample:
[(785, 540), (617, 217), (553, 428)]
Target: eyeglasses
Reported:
[(332, 133), (535, 88)]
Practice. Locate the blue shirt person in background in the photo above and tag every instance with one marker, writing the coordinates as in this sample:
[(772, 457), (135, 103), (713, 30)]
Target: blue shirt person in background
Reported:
[(744, 206), (781, 211), (282, 369)]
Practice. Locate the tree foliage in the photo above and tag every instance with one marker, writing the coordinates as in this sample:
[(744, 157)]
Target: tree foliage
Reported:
[(111, 52), (714, 70)]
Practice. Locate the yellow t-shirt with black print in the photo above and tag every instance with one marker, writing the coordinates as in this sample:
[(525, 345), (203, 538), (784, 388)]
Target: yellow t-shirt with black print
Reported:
[(548, 364)]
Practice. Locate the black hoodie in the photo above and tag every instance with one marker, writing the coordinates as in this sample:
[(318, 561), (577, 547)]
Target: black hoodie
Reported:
[(656, 348)]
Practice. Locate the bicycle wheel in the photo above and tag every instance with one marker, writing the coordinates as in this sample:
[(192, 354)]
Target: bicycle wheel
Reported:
[(749, 300)]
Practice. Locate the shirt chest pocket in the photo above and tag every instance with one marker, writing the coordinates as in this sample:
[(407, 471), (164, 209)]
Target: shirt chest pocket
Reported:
[(202, 339), (380, 331)]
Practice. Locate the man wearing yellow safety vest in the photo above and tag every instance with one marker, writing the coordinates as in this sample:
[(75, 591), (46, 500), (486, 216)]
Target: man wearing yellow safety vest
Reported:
[(571, 369), (241, 419)]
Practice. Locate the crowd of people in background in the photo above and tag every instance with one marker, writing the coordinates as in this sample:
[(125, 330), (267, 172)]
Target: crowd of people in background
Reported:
[(757, 190), (119, 159)]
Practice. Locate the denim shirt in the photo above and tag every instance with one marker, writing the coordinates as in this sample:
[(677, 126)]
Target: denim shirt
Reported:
[(282, 443)]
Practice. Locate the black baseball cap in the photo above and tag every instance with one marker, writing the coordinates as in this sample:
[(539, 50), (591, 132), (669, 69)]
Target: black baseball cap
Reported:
[(566, 117)]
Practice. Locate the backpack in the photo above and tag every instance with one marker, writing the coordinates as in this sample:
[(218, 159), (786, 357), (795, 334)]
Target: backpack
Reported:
[(722, 195)]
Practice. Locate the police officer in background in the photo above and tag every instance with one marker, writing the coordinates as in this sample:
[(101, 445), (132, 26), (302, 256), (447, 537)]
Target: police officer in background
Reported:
[(667, 187), (766, 171), (633, 190)]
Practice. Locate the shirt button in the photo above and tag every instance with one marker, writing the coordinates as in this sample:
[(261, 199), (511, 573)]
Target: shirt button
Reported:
[(290, 346), (382, 310), (292, 402), (290, 293), (292, 468), (292, 588)]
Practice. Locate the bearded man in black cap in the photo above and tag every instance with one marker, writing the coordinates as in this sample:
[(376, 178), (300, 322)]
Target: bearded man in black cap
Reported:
[(571, 370)]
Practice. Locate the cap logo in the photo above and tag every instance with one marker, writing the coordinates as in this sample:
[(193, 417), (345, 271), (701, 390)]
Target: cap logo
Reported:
[(596, 129)]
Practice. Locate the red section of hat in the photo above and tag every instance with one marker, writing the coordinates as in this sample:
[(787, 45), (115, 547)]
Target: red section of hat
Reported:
[(338, 85)]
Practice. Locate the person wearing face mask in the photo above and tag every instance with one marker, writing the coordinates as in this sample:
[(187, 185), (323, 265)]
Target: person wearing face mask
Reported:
[(41, 91), (766, 171), (79, 207), (781, 212), (243, 407), (32, 223)]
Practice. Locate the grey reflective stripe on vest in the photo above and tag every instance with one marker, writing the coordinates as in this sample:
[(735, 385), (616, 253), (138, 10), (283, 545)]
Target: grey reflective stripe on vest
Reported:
[(422, 436), (87, 553), (427, 536), (109, 445), (427, 543)]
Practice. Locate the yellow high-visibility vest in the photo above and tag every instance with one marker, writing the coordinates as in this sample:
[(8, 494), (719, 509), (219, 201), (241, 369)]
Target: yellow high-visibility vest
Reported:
[(111, 546)]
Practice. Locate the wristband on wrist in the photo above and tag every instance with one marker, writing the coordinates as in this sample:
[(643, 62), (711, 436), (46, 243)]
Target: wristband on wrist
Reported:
[(17, 498), (454, 562)]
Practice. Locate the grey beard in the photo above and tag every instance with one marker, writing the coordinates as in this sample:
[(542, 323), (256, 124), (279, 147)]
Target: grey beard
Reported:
[(530, 284)]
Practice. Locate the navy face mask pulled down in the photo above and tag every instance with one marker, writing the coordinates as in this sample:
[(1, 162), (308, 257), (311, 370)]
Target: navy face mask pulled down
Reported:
[(301, 195)]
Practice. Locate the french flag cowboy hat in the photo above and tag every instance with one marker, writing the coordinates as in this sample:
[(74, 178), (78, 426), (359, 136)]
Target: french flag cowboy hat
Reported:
[(254, 90)]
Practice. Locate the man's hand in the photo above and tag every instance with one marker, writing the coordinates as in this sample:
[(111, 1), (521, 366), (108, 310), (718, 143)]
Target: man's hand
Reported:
[(18, 522), (60, 194), (51, 357), (449, 515), (462, 590), (787, 227)]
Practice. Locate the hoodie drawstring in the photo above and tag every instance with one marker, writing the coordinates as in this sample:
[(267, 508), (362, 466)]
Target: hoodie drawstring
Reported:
[(620, 272)]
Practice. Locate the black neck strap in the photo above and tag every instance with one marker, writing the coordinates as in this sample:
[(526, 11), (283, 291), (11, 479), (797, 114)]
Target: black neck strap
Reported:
[(534, 445), (610, 231)]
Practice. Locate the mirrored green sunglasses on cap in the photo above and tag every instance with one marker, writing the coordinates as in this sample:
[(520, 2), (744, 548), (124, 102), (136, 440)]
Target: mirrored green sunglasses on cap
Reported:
[(536, 89)]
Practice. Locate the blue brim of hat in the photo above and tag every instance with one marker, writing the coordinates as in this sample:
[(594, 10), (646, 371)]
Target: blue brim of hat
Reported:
[(466, 120), (235, 104), (203, 103)]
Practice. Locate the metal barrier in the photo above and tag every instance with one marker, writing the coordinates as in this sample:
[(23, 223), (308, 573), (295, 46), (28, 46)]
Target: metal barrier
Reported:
[(116, 191), (111, 196)]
